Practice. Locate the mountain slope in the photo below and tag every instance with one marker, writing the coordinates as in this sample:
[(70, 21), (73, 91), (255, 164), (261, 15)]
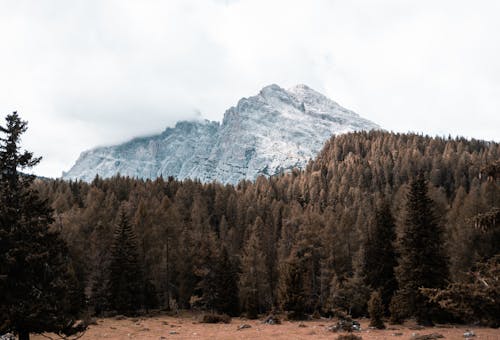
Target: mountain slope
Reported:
[(275, 130)]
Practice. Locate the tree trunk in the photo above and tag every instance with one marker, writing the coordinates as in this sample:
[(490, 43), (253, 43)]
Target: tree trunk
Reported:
[(24, 335)]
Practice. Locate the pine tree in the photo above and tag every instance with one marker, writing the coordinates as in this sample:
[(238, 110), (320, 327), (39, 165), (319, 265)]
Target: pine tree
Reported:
[(376, 310), (380, 256), (253, 284), (186, 268), (125, 275), (349, 295), (150, 296), (475, 300), (205, 294), (38, 289), (293, 295), (307, 254), (226, 291), (423, 262)]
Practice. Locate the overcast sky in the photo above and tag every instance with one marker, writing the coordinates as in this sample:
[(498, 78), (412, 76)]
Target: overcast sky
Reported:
[(87, 73)]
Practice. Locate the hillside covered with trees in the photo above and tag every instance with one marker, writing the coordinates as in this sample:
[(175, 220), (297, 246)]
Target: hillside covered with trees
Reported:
[(376, 214)]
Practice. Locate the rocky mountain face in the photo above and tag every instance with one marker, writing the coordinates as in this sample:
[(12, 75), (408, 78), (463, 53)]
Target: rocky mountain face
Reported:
[(273, 131)]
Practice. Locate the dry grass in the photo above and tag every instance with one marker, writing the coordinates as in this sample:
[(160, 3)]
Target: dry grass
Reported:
[(187, 326)]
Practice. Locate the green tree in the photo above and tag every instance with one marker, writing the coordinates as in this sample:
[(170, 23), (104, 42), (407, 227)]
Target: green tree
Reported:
[(205, 270), (293, 294), (376, 310), (349, 295), (38, 289), (226, 292), (125, 275), (380, 256), (253, 283), (423, 262), (476, 300)]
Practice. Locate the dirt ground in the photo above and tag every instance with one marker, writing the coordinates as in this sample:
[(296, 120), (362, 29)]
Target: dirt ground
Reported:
[(187, 327)]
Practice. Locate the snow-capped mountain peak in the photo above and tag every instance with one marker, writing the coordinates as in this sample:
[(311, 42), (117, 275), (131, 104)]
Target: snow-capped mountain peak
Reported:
[(272, 131)]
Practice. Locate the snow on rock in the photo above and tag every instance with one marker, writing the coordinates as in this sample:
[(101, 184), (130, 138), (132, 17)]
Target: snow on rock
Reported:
[(273, 131)]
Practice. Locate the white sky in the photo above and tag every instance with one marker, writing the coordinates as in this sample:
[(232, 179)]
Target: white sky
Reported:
[(94, 72)]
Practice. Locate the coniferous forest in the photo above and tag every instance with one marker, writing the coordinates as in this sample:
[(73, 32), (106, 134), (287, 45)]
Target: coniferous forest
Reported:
[(393, 225)]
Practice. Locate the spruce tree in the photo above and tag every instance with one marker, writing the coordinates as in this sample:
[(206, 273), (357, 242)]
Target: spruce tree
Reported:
[(379, 258), (476, 300), (38, 288), (226, 292), (205, 270), (423, 262), (253, 283), (125, 275), (293, 295), (376, 310)]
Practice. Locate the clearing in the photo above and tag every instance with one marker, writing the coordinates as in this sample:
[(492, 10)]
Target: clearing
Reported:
[(186, 326)]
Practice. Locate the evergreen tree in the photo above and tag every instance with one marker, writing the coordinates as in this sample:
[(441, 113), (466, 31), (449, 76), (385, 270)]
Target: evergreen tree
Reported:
[(187, 279), (422, 263), (205, 294), (293, 295), (226, 292), (99, 294), (380, 256), (376, 310), (150, 296), (125, 275), (307, 254), (253, 284), (476, 300), (38, 289), (349, 295)]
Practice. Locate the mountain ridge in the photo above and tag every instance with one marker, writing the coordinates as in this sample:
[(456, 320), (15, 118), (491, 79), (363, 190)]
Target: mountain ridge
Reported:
[(264, 134)]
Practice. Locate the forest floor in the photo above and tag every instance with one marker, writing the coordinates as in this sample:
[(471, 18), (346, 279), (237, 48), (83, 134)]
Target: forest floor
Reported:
[(187, 327)]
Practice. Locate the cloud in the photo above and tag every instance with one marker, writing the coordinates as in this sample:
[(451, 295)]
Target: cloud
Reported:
[(88, 72)]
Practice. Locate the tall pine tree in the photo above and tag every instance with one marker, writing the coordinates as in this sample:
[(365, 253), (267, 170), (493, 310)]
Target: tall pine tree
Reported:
[(423, 262), (38, 289), (253, 279), (226, 292), (125, 274), (293, 299), (379, 258)]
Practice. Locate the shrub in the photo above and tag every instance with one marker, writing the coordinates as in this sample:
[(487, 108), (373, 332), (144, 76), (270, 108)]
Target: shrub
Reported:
[(349, 337), (272, 319), (475, 300), (398, 309), (350, 295), (376, 310), (216, 318)]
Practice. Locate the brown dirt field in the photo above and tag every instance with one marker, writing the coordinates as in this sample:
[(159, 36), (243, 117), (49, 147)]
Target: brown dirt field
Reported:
[(187, 327)]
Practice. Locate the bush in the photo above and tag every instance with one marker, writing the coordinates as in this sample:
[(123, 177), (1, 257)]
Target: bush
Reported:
[(475, 300), (349, 337), (350, 295), (398, 309), (272, 319), (348, 325), (376, 310), (216, 318)]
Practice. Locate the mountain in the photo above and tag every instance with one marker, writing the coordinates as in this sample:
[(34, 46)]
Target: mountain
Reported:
[(273, 131)]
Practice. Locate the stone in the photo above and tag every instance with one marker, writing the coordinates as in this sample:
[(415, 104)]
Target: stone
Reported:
[(469, 334)]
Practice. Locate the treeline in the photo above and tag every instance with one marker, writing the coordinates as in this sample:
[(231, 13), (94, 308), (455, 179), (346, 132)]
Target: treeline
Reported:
[(353, 224)]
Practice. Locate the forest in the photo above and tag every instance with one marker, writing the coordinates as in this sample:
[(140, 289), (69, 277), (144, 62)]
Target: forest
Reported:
[(400, 225), (229, 249)]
